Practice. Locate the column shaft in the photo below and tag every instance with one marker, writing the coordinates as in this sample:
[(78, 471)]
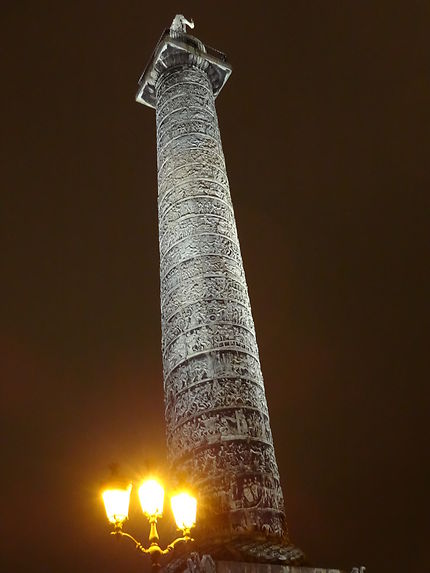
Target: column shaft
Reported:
[(218, 431)]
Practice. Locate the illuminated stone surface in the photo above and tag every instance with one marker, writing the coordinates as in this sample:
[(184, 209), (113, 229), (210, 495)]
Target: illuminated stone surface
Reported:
[(218, 430)]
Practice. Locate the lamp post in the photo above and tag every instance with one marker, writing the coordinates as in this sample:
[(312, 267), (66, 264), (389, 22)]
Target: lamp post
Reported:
[(151, 496)]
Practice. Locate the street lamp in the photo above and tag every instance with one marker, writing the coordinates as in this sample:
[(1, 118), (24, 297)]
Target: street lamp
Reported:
[(151, 495)]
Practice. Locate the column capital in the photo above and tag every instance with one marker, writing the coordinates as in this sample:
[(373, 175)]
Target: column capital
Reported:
[(177, 48)]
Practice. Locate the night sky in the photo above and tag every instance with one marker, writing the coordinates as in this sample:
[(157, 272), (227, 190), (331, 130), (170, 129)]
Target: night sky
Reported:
[(325, 127)]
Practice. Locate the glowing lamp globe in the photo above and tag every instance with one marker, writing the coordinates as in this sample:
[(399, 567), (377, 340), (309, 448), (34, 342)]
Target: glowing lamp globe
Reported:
[(151, 496), (116, 504), (184, 507)]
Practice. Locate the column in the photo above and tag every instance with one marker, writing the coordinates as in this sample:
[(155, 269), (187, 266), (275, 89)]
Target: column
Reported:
[(218, 430)]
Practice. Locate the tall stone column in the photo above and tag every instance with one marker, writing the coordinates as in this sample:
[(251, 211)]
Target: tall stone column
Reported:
[(218, 430)]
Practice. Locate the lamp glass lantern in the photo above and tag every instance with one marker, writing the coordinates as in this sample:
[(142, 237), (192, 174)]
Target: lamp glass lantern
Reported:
[(116, 503), (151, 497), (184, 507)]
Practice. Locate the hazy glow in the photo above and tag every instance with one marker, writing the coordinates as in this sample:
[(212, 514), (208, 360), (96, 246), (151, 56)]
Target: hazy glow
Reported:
[(151, 496), (184, 507), (116, 504)]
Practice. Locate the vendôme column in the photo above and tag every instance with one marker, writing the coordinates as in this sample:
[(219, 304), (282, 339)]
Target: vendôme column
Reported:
[(218, 429)]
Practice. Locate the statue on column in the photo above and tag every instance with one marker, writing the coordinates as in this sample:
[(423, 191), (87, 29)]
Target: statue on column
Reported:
[(180, 24)]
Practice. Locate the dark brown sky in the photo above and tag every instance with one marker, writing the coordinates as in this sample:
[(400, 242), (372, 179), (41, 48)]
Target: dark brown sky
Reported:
[(325, 125)]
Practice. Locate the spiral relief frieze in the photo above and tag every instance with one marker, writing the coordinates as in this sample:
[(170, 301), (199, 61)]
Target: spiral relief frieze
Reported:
[(218, 430)]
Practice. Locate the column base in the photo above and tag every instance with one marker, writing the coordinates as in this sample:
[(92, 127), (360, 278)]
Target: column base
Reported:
[(205, 563), (240, 554)]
